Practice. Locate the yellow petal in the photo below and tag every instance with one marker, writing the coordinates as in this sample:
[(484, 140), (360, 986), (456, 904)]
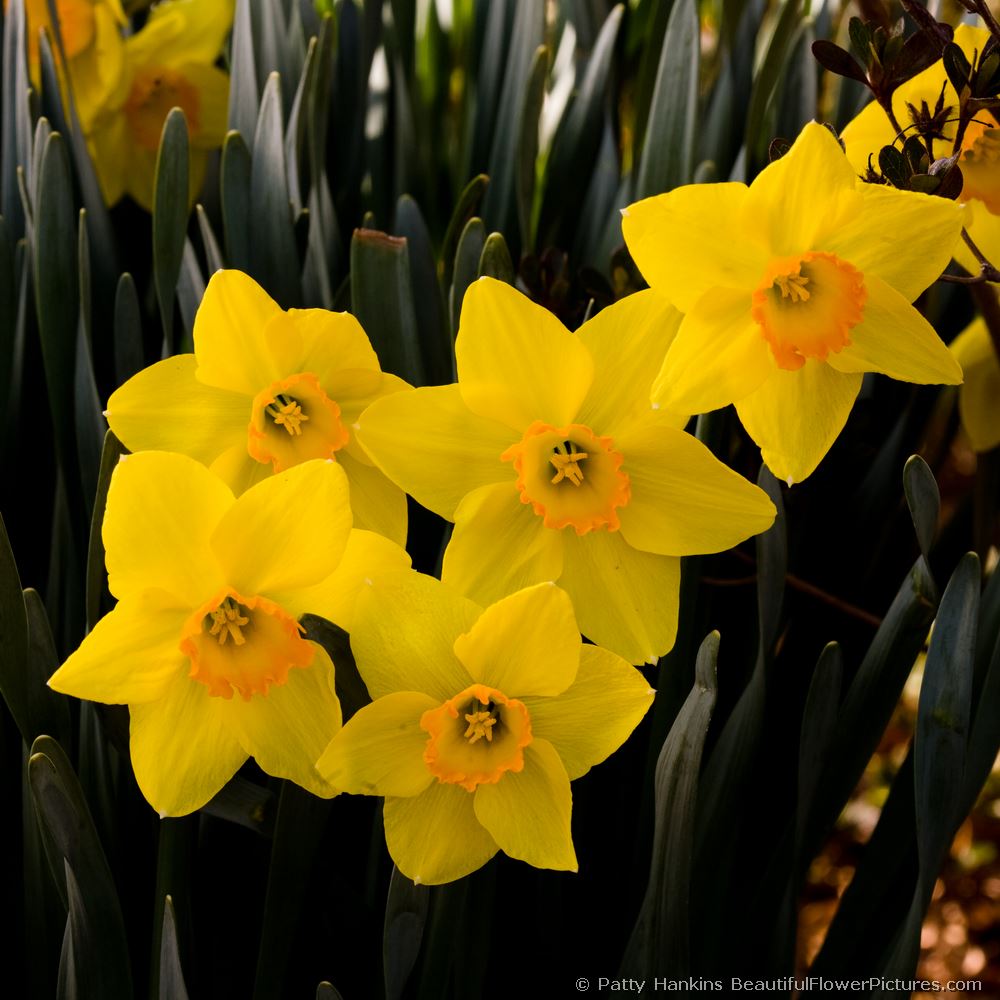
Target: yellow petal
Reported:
[(625, 600), (684, 500), (98, 74), (229, 338), (405, 627), (287, 532), (796, 416), (718, 355), (208, 125), (140, 171), (893, 338), (326, 343), (984, 228), (164, 407), (132, 654), (808, 193), (381, 749), (516, 362), (628, 341), (500, 545), (528, 643), (434, 837), (528, 812), (376, 502), (355, 390), (902, 237), (367, 556), (979, 397), (111, 153), (238, 469), (184, 30), (596, 714), (162, 510), (288, 729), (182, 750), (693, 239), (433, 446)]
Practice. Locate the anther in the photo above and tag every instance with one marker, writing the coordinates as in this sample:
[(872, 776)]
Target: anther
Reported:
[(793, 286), (287, 413), (480, 724), (564, 459), (227, 621)]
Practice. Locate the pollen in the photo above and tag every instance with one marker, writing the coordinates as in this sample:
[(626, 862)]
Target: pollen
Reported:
[(588, 486), (243, 644), (566, 461), (480, 726), (287, 413), (227, 621), (476, 737), (806, 307)]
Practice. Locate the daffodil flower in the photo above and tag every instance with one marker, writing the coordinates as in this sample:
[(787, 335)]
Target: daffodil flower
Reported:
[(791, 289), (204, 644), (168, 63), (553, 466), (871, 129), (481, 719), (264, 390), (92, 41), (979, 396)]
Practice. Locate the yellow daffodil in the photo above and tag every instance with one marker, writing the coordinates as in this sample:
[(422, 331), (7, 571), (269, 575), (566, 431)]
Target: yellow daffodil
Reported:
[(264, 390), (979, 396), (91, 32), (168, 63), (980, 160), (791, 289), (481, 719), (550, 461), (204, 644)]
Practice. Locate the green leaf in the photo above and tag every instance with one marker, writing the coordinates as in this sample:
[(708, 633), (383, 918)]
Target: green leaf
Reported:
[(302, 820), (190, 289), (382, 300), (172, 985), (924, 501), (97, 590), (213, 255), (771, 70), (78, 977), (8, 317), (497, 27), (244, 803), (405, 917), (578, 138), (244, 94), (660, 942), (435, 338), (667, 158), (467, 258), (70, 839), (236, 201), (527, 146), (14, 630), (57, 297), (649, 66), (349, 687), (495, 261), (797, 92), (871, 699), (170, 215), (819, 718), (15, 119), (129, 351), (499, 208), (465, 210), (48, 711), (772, 565), (325, 991), (89, 418), (274, 255)]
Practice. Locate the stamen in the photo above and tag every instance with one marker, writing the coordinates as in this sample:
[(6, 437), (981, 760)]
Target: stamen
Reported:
[(227, 621), (564, 459), (480, 724), (288, 414), (793, 286)]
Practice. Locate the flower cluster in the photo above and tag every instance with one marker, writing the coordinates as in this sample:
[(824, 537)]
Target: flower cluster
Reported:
[(123, 86), (271, 467)]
